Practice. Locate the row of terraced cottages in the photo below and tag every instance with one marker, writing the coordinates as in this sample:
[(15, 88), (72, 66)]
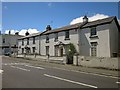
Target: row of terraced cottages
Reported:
[(100, 38)]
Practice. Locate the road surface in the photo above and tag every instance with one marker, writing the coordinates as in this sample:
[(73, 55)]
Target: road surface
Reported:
[(25, 75)]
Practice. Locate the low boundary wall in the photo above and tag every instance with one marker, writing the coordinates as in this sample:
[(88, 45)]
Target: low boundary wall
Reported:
[(61, 60), (98, 62)]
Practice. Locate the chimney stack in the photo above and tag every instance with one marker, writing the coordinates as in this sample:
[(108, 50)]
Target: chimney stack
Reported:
[(85, 19), (27, 33), (48, 28), (17, 33), (9, 32)]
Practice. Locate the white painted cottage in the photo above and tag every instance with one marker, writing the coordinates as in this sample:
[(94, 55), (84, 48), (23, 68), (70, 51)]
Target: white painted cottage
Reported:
[(98, 38), (29, 44)]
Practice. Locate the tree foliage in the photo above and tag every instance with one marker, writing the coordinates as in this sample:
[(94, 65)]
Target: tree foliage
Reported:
[(71, 50)]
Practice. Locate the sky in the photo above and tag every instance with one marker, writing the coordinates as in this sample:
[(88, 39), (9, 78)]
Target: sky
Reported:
[(35, 16)]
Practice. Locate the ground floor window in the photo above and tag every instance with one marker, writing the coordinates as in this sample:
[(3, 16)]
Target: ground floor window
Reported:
[(93, 48), (33, 49), (47, 50), (56, 50), (22, 50)]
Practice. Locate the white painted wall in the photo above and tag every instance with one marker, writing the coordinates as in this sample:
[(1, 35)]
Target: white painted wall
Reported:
[(61, 37), (114, 38), (103, 47), (36, 45), (107, 41), (99, 62)]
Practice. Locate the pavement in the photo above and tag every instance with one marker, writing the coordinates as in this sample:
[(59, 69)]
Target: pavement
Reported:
[(70, 67)]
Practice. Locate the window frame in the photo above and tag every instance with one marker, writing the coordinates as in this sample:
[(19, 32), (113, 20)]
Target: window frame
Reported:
[(22, 50), (27, 41), (47, 50), (47, 38), (56, 37), (33, 49), (93, 31), (34, 40), (67, 35), (94, 48), (3, 41), (22, 42)]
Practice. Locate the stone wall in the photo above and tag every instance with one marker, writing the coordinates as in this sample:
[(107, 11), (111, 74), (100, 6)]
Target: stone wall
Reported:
[(98, 62), (61, 60)]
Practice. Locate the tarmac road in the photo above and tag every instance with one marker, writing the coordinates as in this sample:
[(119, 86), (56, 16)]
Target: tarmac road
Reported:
[(25, 75)]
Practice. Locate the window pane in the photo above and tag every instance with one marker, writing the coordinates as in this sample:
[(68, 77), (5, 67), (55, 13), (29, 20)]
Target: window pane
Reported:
[(27, 41), (56, 36), (67, 34), (47, 38), (93, 31), (33, 40), (47, 50), (93, 48)]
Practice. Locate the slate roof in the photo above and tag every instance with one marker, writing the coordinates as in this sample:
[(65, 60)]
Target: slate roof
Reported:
[(85, 25), (99, 22), (78, 25), (31, 35)]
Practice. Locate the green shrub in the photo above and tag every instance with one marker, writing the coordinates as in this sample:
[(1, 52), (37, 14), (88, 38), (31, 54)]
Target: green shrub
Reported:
[(71, 50)]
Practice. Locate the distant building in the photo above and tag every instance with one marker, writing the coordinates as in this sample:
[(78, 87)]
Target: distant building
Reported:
[(9, 43), (29, 44), (98, 38)]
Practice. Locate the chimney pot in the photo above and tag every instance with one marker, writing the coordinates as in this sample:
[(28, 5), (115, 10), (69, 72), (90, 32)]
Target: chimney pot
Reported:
[(85, 19), (48, 28)]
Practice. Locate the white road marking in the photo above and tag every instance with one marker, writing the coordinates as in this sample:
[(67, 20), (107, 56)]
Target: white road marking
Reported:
[(1, 71), (13, 63), (88, 73), (99, 75), (70, 81), (34, 67), (20, 68), (118, 82)]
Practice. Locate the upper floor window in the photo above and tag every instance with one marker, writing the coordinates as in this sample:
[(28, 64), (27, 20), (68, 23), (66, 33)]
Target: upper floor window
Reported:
[(67, 35), (33, 40), (22, 50), (22, 41), (47, 38), (3, 40), (93, 31), (27, 41), (56, 36)]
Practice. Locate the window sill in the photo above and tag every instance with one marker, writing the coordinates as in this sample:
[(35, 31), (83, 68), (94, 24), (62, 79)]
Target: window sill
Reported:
[(55, 40), (47, 41), (93, 36), (67, 39)]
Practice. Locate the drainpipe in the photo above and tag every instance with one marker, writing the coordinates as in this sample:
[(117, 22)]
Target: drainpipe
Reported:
[(78, 31)]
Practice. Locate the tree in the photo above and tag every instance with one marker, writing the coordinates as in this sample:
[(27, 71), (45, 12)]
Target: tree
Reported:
[(70, 53)]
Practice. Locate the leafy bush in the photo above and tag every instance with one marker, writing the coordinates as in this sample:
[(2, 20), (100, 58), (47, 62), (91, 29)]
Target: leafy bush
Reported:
[(70, 52)]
